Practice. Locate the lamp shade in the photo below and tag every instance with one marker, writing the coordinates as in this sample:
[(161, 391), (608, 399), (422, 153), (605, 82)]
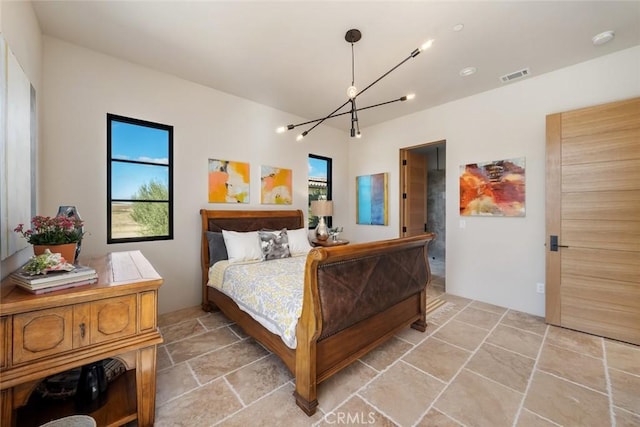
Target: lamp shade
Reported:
[(322, 207)]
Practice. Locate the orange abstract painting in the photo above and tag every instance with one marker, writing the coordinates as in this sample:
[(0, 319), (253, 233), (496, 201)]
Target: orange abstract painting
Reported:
[(494, 188), (228, 181), (276, 186)]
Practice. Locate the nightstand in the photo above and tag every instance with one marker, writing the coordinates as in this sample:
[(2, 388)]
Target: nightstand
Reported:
[(329, 242)]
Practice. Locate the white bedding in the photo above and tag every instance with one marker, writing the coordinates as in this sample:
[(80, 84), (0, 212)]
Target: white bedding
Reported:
[(271, 292)]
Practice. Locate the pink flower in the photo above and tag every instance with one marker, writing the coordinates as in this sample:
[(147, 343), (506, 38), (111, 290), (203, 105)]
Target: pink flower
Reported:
[(56, 230)]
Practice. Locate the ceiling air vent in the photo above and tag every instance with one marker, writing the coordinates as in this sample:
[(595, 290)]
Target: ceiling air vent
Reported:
[(515, 75)]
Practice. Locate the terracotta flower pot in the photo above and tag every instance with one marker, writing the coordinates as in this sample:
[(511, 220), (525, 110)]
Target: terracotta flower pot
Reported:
[(68, 250)]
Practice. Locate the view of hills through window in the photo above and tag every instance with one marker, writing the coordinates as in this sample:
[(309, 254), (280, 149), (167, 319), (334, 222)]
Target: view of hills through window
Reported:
[(139, 180)]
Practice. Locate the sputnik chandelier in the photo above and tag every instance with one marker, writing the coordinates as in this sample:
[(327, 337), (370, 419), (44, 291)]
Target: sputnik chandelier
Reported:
[(352, 37)]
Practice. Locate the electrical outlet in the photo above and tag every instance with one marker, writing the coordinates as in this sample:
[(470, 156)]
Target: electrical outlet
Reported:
[(540, 288)]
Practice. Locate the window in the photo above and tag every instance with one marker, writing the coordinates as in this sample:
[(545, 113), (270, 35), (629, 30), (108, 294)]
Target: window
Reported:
[(139, 180), (319, 184)]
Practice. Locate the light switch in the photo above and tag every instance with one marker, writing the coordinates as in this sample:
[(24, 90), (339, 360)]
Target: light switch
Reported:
[(463, 223)]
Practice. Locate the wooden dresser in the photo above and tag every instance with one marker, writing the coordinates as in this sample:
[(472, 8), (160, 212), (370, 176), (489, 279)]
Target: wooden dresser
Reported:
[(42, 335)]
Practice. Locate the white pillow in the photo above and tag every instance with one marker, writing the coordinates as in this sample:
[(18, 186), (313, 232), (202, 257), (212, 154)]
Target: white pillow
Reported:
[(299, 241), (242, 246)]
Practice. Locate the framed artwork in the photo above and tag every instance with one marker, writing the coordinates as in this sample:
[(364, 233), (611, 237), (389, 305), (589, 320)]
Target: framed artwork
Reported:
[(228, 181), (276, 186), (495, 188), (372, 199)]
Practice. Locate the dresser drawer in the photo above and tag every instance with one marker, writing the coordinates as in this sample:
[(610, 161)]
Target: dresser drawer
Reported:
[(113, 318), (42, 333), (47, 332)]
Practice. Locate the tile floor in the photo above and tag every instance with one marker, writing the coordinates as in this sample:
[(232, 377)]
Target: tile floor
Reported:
[(476, 365)]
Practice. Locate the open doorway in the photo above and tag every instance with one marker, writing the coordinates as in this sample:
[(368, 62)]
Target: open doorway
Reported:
[(422, 201)]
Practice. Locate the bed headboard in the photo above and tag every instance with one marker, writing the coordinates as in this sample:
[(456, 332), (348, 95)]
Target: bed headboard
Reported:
[(243, 220), (251, 220)]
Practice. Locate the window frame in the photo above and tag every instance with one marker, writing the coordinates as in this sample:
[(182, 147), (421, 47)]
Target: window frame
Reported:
[(329, 161), (110, 160)]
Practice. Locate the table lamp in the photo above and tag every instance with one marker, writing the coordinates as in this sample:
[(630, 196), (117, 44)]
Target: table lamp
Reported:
[(322, 208)]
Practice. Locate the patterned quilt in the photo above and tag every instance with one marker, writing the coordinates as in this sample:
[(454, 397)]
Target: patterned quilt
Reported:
[(269, 291)]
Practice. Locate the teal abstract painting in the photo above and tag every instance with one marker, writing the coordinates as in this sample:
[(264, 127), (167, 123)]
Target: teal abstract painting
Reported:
[(372, 199)]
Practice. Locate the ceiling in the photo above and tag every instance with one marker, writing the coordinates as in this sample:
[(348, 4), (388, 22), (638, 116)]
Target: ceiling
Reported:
[(293, 55)]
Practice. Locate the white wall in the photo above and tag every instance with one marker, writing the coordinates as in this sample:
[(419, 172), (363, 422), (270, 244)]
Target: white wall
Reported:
[(495, 260), (21, 31), (82, 86)]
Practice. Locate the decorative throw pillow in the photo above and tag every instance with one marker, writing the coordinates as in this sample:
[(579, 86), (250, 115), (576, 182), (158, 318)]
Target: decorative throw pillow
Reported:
[(217, 248), (274, 244), (242, 246), (299, 241)]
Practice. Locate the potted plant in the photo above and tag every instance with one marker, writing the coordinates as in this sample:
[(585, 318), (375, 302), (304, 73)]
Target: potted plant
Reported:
[(59, 234)]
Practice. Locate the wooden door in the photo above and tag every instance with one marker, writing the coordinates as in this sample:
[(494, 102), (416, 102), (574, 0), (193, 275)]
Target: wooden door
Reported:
[(593, 207), (413, 193)]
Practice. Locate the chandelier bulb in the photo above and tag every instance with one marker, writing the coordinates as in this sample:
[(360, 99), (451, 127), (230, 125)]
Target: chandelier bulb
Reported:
[(411, 96), (281, 129), (358, 135), (352, 91), (302, 135), (426, 45)]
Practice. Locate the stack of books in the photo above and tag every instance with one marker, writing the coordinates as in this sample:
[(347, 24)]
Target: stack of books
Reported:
[(55, 280)]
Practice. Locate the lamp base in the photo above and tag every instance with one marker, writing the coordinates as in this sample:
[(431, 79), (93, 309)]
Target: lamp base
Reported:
[(322, 232)]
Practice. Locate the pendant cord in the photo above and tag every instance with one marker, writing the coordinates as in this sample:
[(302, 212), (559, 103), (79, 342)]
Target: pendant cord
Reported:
[(353, 75), (354, 110)]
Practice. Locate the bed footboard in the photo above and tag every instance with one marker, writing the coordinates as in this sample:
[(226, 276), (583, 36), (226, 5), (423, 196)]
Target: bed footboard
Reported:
[(355, 298)]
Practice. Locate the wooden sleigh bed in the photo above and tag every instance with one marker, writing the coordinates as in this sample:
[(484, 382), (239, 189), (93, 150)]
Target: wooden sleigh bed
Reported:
[(355, 297)]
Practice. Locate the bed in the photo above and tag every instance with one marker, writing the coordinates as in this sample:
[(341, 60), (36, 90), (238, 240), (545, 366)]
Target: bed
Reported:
[(355, 297)]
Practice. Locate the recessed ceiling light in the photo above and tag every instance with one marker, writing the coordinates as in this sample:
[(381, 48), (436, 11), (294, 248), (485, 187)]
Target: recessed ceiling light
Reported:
[(467, 71), (603, 38), (458, 27)]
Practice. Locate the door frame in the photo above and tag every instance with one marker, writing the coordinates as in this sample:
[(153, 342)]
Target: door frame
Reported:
[(553, 203), (402, 182)]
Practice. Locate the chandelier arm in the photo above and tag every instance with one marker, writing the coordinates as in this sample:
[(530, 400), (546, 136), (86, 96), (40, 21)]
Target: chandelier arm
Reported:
[(387, 73), (402, 98), (290, 127), (325, 118), (293, 126)]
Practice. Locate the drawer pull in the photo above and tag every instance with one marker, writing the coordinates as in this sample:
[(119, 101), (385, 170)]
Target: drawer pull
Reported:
[(82, 328)]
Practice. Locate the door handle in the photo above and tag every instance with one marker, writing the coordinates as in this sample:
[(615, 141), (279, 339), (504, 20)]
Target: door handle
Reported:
[(553, 244)]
